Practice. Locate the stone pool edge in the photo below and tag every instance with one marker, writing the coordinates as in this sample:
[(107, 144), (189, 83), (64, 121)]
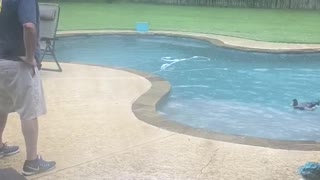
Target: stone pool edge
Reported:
[(218, 40), (145, 107)]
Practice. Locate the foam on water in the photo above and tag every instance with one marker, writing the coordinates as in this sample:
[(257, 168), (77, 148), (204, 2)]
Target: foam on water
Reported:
[(172, 61)]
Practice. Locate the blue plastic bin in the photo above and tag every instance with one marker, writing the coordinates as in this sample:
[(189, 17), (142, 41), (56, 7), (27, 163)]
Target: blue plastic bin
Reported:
[(142, 27)]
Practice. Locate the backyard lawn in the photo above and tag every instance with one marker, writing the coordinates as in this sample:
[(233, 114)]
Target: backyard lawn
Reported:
[(294, 26)]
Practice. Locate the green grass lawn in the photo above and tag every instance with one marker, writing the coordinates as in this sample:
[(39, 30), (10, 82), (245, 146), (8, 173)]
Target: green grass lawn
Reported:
[(294, 26)]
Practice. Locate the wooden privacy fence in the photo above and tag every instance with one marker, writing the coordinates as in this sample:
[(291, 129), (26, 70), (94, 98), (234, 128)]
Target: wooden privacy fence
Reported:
[(283, 4)]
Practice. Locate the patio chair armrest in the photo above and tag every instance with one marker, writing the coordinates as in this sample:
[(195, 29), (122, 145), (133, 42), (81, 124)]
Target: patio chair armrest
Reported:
[(47, 39)]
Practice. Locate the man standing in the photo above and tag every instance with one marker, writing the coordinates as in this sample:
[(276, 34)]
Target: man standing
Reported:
[(20, 84)]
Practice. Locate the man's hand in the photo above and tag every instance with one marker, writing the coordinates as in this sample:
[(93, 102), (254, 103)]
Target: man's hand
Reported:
[(30, 61)]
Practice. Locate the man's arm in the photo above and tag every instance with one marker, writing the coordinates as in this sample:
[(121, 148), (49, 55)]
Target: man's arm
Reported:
[(27, 12), (30, 42)]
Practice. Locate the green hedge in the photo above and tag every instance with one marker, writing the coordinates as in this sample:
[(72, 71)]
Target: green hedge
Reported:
[(274, 4)]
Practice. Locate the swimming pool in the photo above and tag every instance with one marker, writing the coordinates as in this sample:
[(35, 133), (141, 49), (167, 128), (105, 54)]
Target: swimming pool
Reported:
[(217, 89)]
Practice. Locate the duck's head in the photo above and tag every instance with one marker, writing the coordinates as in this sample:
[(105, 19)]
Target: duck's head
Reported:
[(294, 102)]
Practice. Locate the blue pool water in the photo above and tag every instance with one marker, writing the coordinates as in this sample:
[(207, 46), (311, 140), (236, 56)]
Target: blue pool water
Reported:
[(218, 89)]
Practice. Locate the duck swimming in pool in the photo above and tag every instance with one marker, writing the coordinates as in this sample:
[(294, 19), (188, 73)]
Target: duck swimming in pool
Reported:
[(306, 106)]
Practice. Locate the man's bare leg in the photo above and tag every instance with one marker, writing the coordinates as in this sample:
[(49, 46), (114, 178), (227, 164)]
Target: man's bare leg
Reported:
[(30, 133), (3, 122), (34, 163), (6, 150)]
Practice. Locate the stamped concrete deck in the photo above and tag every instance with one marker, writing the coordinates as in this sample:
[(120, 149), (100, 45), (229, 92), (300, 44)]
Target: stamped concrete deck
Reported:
[(92, 133)]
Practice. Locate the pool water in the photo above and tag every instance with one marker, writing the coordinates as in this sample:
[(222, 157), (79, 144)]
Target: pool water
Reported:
[(214, 88)]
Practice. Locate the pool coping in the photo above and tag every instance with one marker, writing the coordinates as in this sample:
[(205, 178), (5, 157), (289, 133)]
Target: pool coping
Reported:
[(218, 40), (145, 109)]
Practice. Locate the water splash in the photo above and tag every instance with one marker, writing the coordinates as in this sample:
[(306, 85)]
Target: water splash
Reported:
[(172, 61)]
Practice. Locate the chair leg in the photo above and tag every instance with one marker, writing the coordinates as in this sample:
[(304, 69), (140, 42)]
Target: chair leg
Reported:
[(44, 52), (42, 56), (55, 59), (53, 54)]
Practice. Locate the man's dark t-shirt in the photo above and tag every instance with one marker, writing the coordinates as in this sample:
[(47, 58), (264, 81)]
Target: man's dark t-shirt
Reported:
[(13, 14)]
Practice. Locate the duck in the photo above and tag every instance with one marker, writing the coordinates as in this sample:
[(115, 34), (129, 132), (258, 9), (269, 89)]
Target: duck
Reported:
[(306, 106)]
